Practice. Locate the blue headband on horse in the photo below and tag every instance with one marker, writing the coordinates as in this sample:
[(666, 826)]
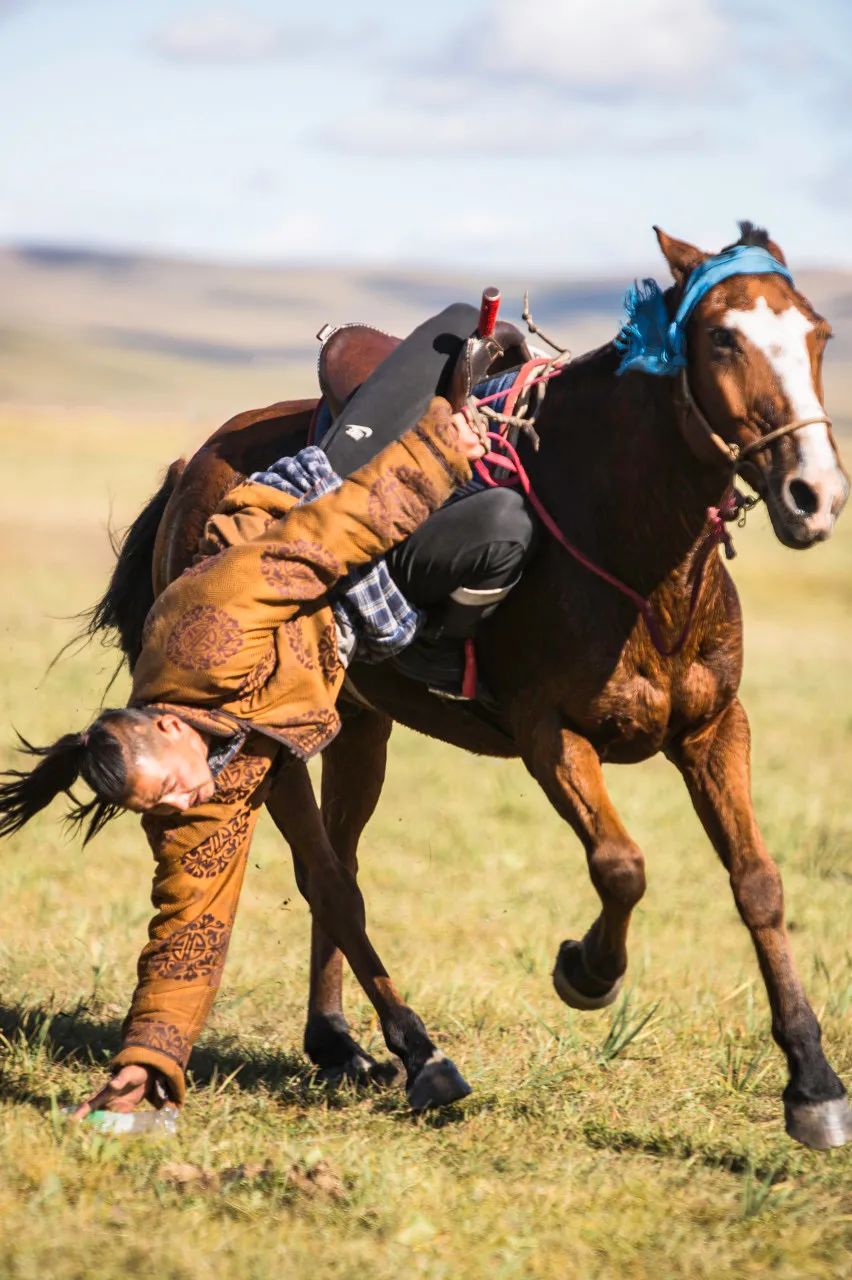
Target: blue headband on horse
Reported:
[(652, 343)]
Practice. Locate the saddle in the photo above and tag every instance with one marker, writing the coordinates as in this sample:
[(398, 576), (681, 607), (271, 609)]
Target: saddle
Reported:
[(349, 355), (351, 352)]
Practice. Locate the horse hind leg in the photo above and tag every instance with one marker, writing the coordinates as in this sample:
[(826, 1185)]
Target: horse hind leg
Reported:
[(588, 974), (327, 1042), (353, 774)]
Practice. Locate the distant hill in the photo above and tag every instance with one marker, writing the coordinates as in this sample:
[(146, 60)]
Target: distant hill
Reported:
[(204, 339)]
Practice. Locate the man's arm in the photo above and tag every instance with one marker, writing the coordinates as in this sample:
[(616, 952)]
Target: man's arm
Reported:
[(212, 628), (383, 502), (372, 511)]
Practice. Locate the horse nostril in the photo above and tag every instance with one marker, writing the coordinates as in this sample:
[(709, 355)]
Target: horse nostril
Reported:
[(805, 498)]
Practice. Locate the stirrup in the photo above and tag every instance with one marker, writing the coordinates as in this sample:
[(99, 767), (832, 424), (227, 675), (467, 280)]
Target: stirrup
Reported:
[(469, 681)]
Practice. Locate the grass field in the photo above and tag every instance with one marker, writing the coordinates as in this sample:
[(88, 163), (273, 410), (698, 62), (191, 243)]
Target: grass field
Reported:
[(576, 1156)]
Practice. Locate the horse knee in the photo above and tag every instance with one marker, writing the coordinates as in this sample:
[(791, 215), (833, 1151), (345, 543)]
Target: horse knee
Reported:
[(759, 894), (618, 872)]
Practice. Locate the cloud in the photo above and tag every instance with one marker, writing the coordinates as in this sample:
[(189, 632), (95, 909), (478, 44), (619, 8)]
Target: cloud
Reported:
[(628, 47), (464, 130), (221, 35), (835, 184), (551, 79)]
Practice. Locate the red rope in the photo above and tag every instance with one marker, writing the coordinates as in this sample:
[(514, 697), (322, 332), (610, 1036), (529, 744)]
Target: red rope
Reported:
[(522, 386), (717, 533)]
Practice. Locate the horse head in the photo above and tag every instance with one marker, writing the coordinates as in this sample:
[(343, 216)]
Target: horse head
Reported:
[(753, 380)]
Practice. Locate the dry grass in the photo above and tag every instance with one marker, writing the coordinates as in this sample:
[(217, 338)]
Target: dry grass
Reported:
[(577, 1155)]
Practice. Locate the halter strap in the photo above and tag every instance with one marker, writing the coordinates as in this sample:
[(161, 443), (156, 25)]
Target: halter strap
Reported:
[(731, 452)]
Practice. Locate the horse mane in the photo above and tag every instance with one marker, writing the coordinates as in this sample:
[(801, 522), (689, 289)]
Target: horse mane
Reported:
[(756, 237)]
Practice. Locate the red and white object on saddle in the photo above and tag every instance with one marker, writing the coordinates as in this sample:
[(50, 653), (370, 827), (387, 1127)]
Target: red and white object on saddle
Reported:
[(488, 309)]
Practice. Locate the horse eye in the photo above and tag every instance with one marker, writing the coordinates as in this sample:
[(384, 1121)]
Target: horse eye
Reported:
[(723, 339)]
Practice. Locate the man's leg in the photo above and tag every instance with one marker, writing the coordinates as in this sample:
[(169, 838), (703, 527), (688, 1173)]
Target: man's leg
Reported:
[(465, 558), (459, 566)]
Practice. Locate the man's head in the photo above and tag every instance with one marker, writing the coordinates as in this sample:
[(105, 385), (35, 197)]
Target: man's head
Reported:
[(164, 760), (148, 761)]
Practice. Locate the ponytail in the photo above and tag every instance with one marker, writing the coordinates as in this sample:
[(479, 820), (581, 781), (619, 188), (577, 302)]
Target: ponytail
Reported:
[(95, 755)]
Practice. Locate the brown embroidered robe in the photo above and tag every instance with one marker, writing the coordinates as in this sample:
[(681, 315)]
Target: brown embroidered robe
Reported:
[(247, 633), (246, 638)]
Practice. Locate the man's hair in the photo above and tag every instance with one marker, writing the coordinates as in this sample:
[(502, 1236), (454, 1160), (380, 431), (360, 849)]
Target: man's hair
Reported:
[(101, 755)]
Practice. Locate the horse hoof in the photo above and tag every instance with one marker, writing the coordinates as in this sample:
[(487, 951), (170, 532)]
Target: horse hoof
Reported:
[(437, 1084), (362, 1071), (578, 988), (819, 1124)]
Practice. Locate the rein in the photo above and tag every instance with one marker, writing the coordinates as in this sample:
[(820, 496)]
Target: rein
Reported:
[(515, 474), (729, 510)]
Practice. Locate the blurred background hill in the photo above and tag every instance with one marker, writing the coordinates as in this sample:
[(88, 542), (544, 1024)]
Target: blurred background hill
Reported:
[(202, 339)]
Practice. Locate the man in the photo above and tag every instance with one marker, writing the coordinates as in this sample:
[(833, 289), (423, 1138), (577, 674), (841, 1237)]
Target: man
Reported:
[(239, 660)]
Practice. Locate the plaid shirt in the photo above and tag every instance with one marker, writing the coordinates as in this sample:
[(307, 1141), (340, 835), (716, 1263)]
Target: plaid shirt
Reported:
[(371, 613)]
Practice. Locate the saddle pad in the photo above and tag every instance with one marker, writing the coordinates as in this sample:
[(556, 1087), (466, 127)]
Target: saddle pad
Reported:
[(320, 423), (500, 382)]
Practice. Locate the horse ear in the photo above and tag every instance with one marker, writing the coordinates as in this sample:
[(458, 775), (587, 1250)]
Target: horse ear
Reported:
[(682, 258)]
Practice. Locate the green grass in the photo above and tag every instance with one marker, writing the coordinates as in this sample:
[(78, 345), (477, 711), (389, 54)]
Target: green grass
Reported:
[(645, 1141)]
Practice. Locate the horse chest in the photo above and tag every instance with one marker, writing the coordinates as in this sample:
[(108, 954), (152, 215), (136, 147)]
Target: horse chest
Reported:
[(642, 704), (628, 718)]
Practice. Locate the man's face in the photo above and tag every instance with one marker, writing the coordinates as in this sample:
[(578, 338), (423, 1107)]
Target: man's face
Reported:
[(170, 773)]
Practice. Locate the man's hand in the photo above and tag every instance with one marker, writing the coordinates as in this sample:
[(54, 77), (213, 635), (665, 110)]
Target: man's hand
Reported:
[(472, 439), (124, 1092)]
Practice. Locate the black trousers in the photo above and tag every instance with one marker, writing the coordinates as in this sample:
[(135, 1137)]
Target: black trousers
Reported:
[(479, 541)]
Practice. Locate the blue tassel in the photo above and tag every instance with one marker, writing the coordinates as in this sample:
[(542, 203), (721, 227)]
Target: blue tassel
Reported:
[(648, 340)]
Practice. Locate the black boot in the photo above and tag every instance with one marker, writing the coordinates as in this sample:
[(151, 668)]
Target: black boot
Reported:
[(438, 656)]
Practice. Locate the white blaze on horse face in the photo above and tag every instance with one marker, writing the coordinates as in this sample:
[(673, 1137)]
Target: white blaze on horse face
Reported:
[(782, 337)]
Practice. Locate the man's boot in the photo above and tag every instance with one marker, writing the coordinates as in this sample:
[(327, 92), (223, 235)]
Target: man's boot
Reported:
[(439, 655)]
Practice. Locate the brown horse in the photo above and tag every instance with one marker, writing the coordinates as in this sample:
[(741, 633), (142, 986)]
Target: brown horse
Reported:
[(628, 467)]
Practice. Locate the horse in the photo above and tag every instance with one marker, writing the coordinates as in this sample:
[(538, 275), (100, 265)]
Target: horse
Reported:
[(628, 468)]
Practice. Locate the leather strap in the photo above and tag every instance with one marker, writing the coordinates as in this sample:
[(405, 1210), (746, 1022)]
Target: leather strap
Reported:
[(709, 446)]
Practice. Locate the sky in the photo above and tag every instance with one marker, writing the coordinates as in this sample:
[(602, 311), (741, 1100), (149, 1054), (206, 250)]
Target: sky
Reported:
[(539, 135)]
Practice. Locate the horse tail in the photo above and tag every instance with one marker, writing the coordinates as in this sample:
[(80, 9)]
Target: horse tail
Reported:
[(124, 606)]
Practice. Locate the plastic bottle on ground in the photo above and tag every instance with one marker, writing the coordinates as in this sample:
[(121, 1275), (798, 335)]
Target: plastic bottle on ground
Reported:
[(163, 1121)]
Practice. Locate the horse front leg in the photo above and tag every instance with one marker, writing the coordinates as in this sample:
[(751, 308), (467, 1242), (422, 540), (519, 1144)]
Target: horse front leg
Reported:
[(589, 974), (715, 763), (338, 909), (353, 774), (327, 1041)]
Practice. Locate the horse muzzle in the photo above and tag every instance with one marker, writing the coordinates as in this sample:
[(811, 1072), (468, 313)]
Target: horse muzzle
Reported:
[(804, 503)]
